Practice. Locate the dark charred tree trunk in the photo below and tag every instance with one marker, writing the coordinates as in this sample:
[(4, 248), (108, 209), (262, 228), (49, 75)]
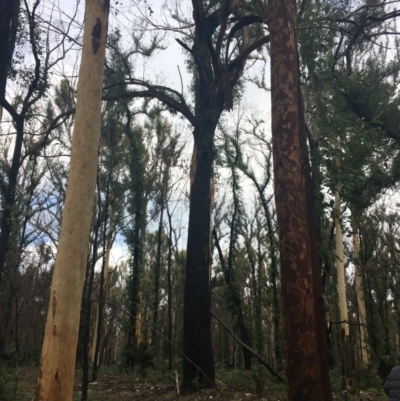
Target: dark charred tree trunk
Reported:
[(8, 32), (9, 196), (298, 278), (197, 294)]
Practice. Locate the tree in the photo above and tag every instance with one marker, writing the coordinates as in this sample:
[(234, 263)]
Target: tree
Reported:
[(8, 35), (306, 369), (216, 72), (59, 346), (139, 188)]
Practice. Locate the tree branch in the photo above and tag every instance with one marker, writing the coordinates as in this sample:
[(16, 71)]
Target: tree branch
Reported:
[(243, 56), (155, 94), (247, 347)]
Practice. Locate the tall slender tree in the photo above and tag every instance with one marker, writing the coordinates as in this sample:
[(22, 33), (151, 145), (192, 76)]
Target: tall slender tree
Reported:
[(300, 277), (59, 347)]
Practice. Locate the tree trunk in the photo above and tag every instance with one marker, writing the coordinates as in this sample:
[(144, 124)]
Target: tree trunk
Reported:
[(157, 271), (86, 313), (138, 208), (134, 292), (359, 286), (61, 334), (301, 338), (8, 33), (344, 326), (103, 278), (197, 343), (169, 263), (9, 196)]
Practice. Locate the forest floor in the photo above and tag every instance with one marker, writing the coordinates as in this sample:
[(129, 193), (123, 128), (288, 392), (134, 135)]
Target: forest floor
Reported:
[(232, 385)]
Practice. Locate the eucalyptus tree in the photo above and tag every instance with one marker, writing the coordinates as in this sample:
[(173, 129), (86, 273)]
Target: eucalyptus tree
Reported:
[(61, 333), (333, 57), (300, 274), (216, 72)]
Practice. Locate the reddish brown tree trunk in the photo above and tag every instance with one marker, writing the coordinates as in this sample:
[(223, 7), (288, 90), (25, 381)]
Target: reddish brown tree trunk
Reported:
[(300, 300)]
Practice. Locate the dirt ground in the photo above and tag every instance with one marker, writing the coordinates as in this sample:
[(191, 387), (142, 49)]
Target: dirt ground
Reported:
[(117, 387), (231, 386), (114, 386)]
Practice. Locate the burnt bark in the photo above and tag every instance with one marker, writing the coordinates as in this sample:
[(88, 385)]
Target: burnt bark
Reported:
[(8, 31), (299, 281), (209, 104), (9, 196), (197, 343)]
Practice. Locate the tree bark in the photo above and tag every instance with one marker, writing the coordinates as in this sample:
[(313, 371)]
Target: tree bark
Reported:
[(138, 207), (61, 334), (8, 31), (341, 272), (169, 283), (301, 338), (9, 196), (197, 343), (359, 286)]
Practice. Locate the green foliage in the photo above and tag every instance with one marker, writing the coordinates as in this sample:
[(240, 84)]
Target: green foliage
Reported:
[(14, 383), (369, 388)]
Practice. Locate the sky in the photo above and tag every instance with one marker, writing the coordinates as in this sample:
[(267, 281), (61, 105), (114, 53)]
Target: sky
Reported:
[(166, 67)]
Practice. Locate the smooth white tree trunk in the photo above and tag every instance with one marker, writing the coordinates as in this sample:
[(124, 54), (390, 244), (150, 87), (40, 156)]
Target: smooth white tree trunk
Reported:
[(61, 335), (341, 272), (340, 268)]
